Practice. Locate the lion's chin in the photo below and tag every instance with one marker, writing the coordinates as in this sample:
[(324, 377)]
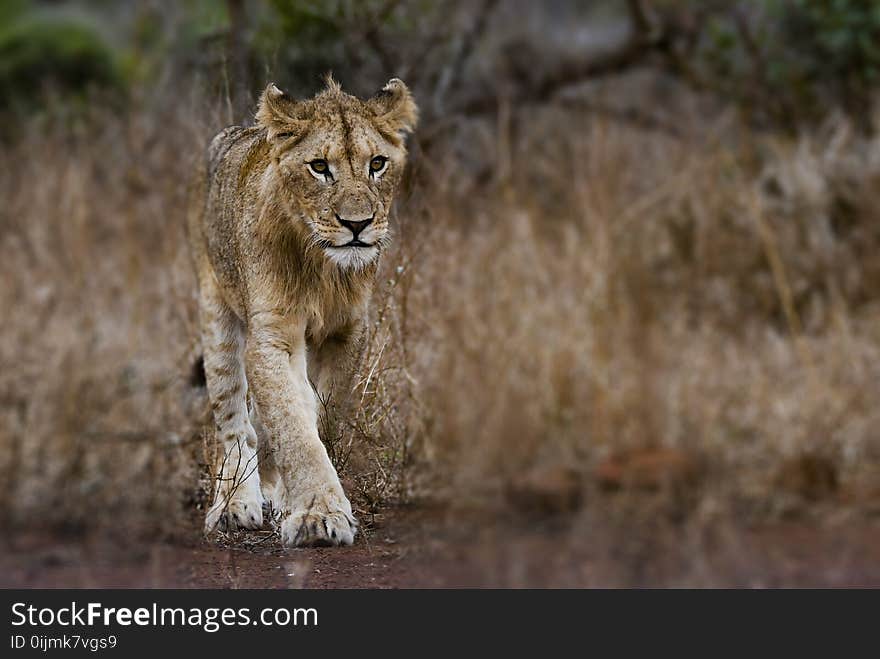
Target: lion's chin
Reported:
[(350, 257)]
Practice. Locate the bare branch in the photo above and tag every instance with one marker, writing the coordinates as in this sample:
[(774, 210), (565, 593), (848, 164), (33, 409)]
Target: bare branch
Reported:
[(638, 17), (466, 47), (372, 36), (648, 41)]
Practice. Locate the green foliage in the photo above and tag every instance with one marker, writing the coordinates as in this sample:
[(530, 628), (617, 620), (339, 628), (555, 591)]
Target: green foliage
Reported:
[(301, 40), (838, 38), (11, 10), (39, 53), (791, 59), (309, 19), (303, 36)]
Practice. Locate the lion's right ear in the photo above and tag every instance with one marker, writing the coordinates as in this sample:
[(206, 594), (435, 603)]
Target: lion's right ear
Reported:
[(279, 114)]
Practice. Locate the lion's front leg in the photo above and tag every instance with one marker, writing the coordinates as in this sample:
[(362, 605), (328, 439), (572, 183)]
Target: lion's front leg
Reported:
[(315, 508)]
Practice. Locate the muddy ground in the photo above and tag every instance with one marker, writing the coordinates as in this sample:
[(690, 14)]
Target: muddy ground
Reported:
[(437, 548)]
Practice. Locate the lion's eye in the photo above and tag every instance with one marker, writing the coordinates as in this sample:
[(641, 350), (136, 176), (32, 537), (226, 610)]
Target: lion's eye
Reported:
[(320, 167), (377, 164)]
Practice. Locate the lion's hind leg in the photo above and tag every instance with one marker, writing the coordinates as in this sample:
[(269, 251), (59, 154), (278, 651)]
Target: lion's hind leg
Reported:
[(270, 478), (237, 501)]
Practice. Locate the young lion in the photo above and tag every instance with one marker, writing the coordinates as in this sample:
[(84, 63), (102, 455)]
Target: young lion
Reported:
[(286, 244)]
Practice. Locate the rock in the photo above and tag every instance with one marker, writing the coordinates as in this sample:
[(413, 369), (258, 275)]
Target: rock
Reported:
[(547, 490), (809, 475), (649, 469)]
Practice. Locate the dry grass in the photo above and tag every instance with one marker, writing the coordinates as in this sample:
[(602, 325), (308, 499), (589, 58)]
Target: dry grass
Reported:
[(97, 413), (558, 294)]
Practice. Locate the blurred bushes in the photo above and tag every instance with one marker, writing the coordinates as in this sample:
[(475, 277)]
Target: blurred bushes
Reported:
[(782, 61), (305, 37), (40, 53), (785, 60), (834, 45), (356, 40)]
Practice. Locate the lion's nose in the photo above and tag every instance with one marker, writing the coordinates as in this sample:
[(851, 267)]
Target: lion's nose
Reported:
[(355, 226)]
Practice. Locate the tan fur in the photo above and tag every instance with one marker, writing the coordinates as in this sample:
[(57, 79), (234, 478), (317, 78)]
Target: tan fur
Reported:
[(282, 299)]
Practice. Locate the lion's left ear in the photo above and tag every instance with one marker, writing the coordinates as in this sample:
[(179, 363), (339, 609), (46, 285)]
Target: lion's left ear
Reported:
[(395, 109)]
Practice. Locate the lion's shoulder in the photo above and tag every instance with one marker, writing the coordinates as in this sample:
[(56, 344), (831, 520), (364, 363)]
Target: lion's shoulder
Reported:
[(229, 148)]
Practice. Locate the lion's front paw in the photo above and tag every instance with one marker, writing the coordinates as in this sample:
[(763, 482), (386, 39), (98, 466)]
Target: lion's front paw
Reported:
[(322, 524), (243, 511)]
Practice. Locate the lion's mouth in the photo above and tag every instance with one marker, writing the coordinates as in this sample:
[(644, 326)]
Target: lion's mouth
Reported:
[(354, 243)]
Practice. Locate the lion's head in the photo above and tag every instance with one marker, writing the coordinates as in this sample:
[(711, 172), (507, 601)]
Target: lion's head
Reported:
[(340, 159)]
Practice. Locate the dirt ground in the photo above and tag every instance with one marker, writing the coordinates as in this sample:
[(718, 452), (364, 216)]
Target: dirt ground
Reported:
[(434, 548)]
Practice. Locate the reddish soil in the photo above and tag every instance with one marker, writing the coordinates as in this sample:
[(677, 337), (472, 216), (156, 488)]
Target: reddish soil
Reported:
[(407, 548)]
